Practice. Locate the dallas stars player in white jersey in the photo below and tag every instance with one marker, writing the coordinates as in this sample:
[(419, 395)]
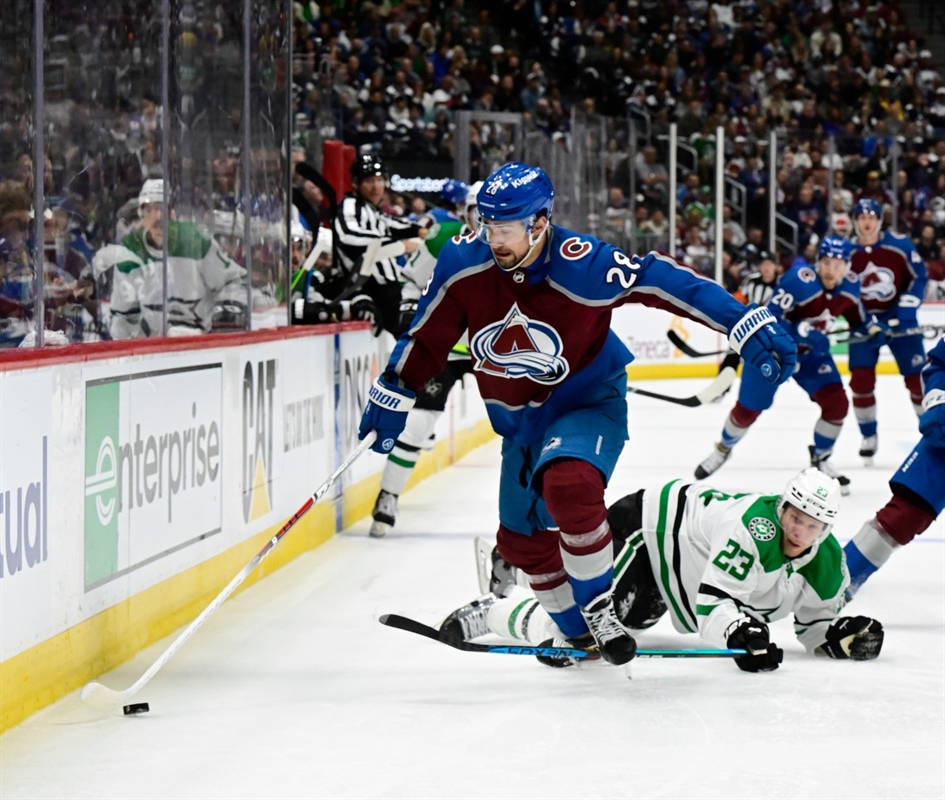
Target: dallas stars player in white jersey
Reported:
[(205, 287), (722, 565)]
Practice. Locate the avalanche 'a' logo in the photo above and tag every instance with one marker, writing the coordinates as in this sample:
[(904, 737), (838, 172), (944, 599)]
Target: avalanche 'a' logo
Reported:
[(878, 283), (519, 347)]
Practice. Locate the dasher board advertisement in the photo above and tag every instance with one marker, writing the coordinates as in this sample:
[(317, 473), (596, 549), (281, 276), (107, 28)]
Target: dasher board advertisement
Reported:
[(154, 455)]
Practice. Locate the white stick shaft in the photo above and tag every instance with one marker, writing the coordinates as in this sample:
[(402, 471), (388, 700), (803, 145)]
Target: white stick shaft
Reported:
[(102, 697)]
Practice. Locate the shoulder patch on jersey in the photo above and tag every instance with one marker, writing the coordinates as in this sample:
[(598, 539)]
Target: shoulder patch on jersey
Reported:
[(807, 275), (762, 529), (824, 572), (763, 516), (575, 248)]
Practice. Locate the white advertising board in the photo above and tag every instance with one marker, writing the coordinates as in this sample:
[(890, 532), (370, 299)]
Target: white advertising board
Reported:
[(29, 556)]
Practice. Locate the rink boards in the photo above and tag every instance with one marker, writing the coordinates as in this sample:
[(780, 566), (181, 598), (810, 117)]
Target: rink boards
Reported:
[(136, 480), (135, 483)]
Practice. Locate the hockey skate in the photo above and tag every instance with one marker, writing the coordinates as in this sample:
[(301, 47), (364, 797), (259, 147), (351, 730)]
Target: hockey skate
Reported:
[(822, 462), (868, 449), (616, 644), (469, 621), (716, 459), (384, 513), (585, 642)]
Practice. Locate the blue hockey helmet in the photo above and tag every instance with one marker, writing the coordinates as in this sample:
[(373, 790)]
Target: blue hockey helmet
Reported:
[(516, 192), (454, 192), (835, 247), (868, 206)]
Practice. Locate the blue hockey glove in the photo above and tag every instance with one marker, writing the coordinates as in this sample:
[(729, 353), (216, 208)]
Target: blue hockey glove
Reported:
[(763, 655), (761, 342), (812, 340), (386, 413), (859, 638), (907, 312), (932, 421), (873, 330)]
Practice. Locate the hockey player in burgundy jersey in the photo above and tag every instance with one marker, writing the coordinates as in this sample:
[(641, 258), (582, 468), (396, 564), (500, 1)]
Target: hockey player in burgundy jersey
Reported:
[(918, 486), (807, 301), (892, 278), (537, 301)]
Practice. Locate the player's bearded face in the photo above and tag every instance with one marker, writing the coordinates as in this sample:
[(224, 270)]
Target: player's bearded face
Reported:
[(509, 241), (800, 531), (831, 271)]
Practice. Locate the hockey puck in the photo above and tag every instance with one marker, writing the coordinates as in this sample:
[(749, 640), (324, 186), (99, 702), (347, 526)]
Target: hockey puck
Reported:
[(136, 708)]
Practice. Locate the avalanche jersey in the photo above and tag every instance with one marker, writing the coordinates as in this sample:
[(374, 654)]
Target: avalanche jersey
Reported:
[(801, 297), (540, 338), (933, 376), (717, 557), (888, 270)]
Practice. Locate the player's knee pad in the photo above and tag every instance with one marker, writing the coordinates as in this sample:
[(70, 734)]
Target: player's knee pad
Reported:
[(626, 515), (833, 402), (419, 427), (742, 416), (905, 516), (538, 554), (862, 381), (573, 492)]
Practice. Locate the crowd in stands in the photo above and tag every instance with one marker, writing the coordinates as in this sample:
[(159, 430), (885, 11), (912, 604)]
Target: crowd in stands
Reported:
[(850, 89)]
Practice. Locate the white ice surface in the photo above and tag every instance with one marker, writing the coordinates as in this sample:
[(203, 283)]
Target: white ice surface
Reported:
[(293, 689)]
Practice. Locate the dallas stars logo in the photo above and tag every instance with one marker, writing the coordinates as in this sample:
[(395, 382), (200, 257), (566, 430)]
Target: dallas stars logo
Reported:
[(762, 529)]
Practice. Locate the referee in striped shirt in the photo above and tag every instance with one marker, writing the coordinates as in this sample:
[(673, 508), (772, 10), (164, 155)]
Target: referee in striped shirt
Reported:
[(368, 241), (760, 284)]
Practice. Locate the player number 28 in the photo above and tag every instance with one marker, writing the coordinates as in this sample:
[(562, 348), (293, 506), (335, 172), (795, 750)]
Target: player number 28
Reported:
[(735, 561), (617, 274)]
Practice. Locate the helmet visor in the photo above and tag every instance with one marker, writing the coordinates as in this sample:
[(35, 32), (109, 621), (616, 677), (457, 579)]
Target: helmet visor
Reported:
[(504, 232)]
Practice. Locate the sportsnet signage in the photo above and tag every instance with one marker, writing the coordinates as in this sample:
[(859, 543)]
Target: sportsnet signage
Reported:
[(153, 467)]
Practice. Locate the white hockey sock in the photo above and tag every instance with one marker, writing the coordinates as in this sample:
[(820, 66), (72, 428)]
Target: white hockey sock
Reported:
[(874, 543), (403, 458), (521, 616)]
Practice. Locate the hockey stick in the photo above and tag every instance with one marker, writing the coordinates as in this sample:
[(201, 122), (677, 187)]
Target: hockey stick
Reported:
[(101, 697), (680, 344), (412, 626), (719, 386), (690, 351)]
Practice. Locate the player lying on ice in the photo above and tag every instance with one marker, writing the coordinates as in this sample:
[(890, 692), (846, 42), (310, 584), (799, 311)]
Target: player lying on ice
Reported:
[(722, 565), (537, 300)]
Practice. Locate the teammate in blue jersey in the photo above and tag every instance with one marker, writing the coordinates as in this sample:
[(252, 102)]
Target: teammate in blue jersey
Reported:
[(918, 486), (806, 303), (892, 278), (537, 301)]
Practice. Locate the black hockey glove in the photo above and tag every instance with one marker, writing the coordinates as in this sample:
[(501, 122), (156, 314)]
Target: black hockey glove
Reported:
[(859, 638), (763, 655), (227, 316), (306, 313), (361, 308), (408, 308)]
